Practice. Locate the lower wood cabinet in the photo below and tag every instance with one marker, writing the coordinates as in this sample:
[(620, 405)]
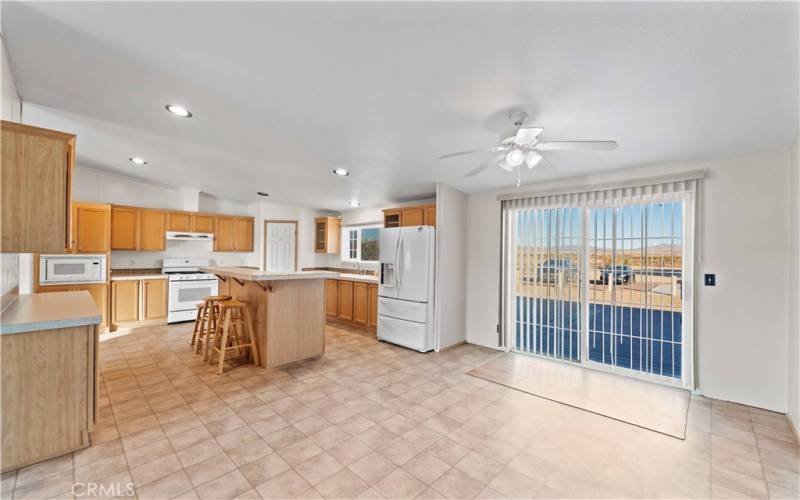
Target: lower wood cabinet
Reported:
[(99, 293), (137, 303), (346, 300), (353, 302), (332, 298)]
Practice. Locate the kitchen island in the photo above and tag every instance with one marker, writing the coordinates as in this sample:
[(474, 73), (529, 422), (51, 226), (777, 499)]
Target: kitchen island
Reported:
[(288, 310)]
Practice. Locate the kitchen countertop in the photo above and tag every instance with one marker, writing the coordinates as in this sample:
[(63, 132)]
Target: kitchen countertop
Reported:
[(364, 278), (47, 311), (136, 274), (251, 274)]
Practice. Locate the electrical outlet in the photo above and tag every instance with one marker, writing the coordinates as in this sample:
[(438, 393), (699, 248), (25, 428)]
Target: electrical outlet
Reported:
[(710, 279), (132, 262)]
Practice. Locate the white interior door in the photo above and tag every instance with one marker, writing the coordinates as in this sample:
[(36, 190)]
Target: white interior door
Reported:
[(281, 242)]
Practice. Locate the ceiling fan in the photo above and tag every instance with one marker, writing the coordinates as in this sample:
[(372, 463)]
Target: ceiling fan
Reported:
[(520, 146)]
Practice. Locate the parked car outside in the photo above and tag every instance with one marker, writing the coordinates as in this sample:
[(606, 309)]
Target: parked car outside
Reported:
[(620, 274), (550, 270)]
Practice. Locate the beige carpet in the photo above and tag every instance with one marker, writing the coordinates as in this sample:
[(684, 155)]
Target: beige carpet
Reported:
[(645, 404)]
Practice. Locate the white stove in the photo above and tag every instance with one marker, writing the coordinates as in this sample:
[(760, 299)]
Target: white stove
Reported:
[(187, 287)]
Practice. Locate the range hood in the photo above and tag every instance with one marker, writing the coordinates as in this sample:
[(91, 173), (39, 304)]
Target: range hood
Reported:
[(187, 236)]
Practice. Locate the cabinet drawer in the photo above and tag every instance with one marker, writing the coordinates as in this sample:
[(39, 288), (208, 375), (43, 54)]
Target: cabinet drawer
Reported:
[(403, 309)]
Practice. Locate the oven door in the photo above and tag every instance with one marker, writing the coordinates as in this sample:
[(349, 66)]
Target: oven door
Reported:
[(185, 295)]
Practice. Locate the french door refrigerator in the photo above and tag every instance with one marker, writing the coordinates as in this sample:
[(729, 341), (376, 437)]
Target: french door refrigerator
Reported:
[(406, 290)]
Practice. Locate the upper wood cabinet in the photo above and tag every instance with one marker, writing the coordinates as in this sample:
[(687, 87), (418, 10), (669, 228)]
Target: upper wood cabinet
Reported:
[(138, 229), (417, 215), (179, 221), (244, 235), (35, 184), (91, 228), (124, 228), (327, 234), (202, 223), (145, 229), (152, 230), (224, 234)]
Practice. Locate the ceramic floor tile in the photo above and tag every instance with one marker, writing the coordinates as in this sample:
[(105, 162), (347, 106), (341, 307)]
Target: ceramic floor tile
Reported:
[(372, 420)]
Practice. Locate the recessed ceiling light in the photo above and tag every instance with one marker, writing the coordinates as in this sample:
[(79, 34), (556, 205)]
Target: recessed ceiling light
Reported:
[(137, 160), (262, 193), (354, 203), (177, 109), (341, 171)]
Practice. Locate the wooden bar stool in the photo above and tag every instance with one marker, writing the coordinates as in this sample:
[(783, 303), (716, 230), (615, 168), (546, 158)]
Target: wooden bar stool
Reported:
[(234, 332), (207, 322)]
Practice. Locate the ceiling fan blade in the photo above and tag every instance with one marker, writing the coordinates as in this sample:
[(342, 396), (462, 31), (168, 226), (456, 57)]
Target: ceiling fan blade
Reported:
[(475, 171), (464, 153), (577, 145), (527, 135)]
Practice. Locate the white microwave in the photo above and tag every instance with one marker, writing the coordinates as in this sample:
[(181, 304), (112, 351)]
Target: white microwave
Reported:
[(67, 269)]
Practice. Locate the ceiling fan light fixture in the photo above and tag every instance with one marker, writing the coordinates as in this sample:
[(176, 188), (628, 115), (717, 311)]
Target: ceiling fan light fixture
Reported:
[(515, 157), (532, 158)]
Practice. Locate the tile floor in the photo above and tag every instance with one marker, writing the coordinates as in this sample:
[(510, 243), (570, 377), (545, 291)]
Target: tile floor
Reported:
[(370, 420)]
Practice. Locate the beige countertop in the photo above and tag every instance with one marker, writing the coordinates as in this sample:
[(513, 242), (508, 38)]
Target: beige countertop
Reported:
[(47, 311), (250, 274), (363, 278)]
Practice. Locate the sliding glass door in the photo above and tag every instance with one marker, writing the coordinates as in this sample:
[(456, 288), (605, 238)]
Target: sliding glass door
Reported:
[(602, 286), (548, 291)]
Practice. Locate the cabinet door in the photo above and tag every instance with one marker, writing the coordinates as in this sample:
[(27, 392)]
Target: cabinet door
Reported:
[(154, 299), (332, 298), (430, 216), (124, 228), (372, 308), (391, 218), (124, 301), (412, 217), (35, 189), (346, 300), (177, 221), (202, 224), (92, 228), (360, 303), (152, 231), (224, 234), (99, 294), (244, 235), (320, 232)]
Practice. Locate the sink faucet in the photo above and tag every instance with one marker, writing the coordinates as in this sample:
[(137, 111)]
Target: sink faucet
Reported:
[(357, 266)]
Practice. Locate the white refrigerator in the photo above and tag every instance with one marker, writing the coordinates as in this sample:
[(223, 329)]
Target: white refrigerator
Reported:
[(406, 290)]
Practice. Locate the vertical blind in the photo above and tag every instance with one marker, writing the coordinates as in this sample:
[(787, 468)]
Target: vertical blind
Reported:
[(605, 268)]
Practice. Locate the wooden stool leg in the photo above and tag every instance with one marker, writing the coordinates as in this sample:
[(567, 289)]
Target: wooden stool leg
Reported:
[(211, 339), (196, 329), (252, 338), (202, 333), (224, 343)]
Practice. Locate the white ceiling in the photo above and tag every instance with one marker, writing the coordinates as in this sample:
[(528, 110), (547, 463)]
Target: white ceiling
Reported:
[(282, 93)]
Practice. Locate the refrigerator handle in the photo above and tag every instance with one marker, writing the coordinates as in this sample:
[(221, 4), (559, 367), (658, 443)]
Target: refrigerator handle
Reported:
[(397, 259), (382, 264)]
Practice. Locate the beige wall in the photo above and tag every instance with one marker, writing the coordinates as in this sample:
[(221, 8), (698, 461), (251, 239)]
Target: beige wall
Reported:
[(793, 386), (11, 104)]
